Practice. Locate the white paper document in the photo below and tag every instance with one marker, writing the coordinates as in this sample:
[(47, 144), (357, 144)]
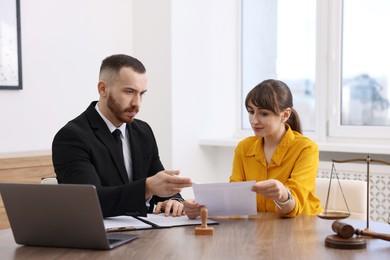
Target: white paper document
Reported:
[(120, 223), (161, 220), (227, 199)]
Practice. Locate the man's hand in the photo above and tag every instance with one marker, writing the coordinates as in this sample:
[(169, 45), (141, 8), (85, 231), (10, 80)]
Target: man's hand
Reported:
[(192, 209), (170, 206), (166, 184)]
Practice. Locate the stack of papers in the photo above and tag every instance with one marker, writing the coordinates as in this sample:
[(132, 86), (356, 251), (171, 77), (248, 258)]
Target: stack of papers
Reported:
[(122, 223)]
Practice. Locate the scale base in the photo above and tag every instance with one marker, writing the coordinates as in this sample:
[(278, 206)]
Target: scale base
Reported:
[(335, 241)]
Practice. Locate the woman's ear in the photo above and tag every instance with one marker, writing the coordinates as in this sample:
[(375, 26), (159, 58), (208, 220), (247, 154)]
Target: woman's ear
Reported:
[(286, 114)]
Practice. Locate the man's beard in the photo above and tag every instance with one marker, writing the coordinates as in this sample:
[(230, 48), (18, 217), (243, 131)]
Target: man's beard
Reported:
[(117, 111)]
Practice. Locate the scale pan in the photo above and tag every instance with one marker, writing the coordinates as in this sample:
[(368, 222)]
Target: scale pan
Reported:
[(333, 215)]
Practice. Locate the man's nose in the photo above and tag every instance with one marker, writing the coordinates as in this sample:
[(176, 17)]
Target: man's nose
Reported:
[(136, 100)]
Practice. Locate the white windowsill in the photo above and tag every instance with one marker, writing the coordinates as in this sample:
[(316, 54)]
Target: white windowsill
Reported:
[(324, 147)]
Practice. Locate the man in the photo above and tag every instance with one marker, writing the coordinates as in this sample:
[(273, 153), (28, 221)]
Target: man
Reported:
[(127, 171)]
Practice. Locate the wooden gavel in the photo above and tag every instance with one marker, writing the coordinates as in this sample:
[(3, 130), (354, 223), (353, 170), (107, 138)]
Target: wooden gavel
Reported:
[(347, 231)]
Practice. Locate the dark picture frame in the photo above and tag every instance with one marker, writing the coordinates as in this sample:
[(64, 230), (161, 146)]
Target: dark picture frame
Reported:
[(10, 45)]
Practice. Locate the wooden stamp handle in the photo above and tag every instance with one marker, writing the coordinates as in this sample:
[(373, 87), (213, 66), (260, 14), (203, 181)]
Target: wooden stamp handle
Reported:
[(203, 214)]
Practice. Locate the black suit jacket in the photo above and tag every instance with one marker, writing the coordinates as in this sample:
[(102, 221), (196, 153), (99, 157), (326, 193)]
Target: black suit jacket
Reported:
[(84, 153)]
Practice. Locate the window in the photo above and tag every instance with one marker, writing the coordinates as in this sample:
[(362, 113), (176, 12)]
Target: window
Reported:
[(334, 56), (361, 70), (278, 43)]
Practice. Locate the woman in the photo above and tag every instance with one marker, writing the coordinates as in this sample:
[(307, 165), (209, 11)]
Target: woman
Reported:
[(283, 162)]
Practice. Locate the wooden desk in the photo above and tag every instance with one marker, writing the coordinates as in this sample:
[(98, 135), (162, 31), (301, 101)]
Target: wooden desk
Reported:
[(262, 237)]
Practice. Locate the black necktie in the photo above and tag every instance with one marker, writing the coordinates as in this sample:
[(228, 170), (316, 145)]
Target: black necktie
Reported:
[(118, 141)]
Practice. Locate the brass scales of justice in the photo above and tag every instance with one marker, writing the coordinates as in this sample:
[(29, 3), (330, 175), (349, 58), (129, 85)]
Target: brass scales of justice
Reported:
[(339, 240)]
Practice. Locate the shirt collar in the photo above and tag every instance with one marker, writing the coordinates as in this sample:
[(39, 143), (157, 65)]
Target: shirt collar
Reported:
[(110, 126), (256, 149)]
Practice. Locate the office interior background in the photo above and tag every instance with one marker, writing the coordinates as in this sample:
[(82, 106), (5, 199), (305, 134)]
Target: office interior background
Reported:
[(195, 54)]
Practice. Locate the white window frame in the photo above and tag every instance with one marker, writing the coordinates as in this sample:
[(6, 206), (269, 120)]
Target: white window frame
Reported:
[(329, 133), (336, 130)]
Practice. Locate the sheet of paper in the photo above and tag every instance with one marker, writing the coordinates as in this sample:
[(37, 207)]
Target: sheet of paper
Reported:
[(227, 199), (121, 223), (161, 220)]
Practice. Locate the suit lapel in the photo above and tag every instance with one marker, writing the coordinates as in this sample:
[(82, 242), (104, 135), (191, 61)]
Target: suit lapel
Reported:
[(135, 154), (103, 134)]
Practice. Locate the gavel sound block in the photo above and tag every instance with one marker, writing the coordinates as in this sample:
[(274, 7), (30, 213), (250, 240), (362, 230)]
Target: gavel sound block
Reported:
[(203, 229), (345, 240)]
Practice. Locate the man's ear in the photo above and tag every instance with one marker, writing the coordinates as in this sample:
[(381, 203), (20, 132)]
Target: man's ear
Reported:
[(102, 88)]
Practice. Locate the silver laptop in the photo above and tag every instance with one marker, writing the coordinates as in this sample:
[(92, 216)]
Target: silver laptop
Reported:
[(61, 215)]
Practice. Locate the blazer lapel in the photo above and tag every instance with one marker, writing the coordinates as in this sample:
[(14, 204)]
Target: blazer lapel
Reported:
[(103, 134), (136, 154)]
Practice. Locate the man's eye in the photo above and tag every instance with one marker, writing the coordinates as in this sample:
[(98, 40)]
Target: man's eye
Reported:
[(251, 112)]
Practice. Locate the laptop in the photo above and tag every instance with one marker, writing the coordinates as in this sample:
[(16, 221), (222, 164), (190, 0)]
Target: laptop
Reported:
[(60, 215)]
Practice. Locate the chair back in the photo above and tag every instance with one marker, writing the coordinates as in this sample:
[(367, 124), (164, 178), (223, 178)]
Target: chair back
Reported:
[(49, 180), (355, 193)]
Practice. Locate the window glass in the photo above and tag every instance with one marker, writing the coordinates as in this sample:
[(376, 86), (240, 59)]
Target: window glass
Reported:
[(365, 91), (278, 41)]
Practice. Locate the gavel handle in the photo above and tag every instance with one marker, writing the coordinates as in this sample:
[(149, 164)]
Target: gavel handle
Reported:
[(372, 234)]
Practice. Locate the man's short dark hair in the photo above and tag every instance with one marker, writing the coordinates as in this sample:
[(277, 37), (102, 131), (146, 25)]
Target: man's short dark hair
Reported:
[(115, 62)]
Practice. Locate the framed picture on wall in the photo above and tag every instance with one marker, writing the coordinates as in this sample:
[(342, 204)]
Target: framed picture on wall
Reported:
[(10, 45)]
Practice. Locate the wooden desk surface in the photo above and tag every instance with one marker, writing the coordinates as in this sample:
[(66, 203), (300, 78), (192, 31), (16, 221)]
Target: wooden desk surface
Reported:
[(262, 237)]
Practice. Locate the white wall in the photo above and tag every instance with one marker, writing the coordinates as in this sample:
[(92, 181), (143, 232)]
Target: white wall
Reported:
[(63, 43), (205, 44), (152, 45), (191, 52)]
